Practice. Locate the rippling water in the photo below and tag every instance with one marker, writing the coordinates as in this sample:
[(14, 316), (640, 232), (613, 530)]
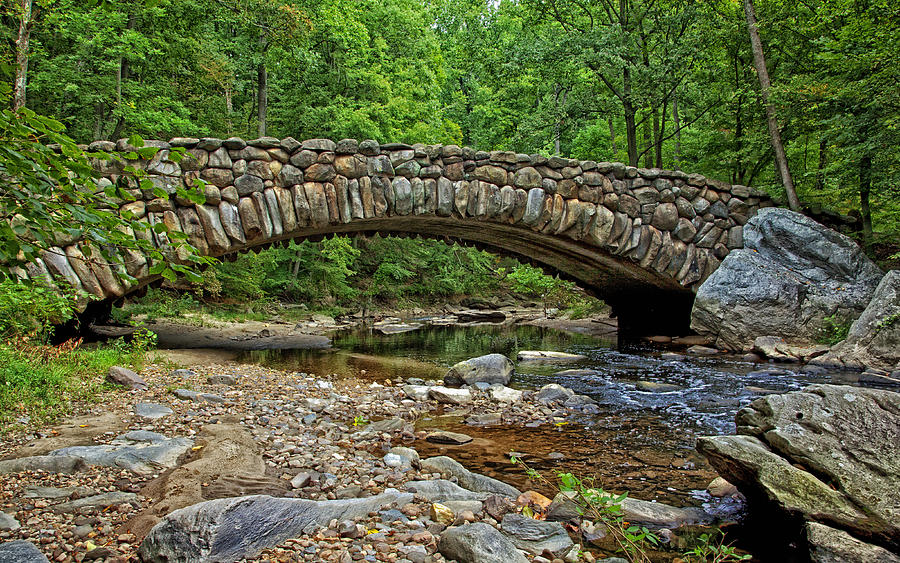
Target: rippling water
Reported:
[(699, 394)]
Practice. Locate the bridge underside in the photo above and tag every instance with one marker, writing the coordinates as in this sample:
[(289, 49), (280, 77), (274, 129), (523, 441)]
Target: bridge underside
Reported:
[(643, 301)]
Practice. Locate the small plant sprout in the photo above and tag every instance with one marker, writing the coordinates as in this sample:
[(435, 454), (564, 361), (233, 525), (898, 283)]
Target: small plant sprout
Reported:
[(599, 505), (711, 548)]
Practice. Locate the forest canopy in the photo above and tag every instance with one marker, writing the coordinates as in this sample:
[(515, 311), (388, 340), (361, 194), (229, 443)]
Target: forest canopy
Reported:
[(653, 83)]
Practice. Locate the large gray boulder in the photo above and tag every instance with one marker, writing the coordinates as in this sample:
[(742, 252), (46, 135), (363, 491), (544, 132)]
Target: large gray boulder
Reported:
[(232, 529), (490, 369), (828, 454), (874, 338), (478, 543), (828, 545), (790, 275), (21, 551)]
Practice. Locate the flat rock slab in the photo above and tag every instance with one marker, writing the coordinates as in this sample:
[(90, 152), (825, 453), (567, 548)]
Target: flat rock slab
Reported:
[(503, 394), (656, 387), (21, 551), (450, 396), (139, 451), (478, 543), (152, 411), (8, 523), (445, 437), (378, 427), (848, 439), (578, 373), (54, 493), (442, 490), (232, 529), (659, 515), (548, 356), (449, 468), (49, 463), (97, 501)]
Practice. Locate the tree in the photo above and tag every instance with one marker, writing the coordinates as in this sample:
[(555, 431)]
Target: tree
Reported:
[(50, 197), (25, 23), (765, 84)]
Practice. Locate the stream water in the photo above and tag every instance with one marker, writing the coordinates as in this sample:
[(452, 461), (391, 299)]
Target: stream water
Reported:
[(651, 409)]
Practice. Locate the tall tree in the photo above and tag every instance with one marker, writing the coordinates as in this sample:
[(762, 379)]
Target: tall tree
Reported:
[(765, 84), (25, 23)]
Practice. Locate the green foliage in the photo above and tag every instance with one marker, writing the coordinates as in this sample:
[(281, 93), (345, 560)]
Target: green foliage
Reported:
[(31, 311), (599, 505), (39, 383), (533, 281), (712, 549), (835, 330)]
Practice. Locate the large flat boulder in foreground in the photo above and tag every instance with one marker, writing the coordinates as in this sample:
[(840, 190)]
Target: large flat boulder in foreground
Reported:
[(828, 454), (791, 274), (232, 529)]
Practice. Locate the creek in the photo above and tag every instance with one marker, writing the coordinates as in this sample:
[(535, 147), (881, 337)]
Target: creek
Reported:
[(652, 408)]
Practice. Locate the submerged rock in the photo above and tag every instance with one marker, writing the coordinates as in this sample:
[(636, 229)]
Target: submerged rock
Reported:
[(790, 275), (827, 454), (548, 356), (232, 529), (446, 437), (490, 369)]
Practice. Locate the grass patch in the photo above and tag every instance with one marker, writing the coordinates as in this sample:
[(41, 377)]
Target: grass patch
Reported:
[(40, 383)]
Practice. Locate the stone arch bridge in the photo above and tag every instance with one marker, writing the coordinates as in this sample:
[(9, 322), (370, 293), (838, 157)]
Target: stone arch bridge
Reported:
[(641, 239)]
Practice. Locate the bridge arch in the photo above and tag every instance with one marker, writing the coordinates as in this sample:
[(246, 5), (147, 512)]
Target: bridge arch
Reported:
[(641, 239)]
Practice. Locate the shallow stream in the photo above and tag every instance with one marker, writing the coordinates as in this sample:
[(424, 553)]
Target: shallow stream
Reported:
[(642, 441)]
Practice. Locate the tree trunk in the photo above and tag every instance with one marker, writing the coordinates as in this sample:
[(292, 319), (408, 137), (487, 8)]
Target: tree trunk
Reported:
[(677, 132), (262, 98), (658, 132), (759, 61), (22, 56), (865, 187), (612, 136), (648, 143), (262, 87), (98, 120), (630, 126), (823, 160), (229, 109), (123, 72)]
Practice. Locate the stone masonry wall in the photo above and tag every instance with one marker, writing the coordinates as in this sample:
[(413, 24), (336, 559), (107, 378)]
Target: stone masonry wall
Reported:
[(679, 226)]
